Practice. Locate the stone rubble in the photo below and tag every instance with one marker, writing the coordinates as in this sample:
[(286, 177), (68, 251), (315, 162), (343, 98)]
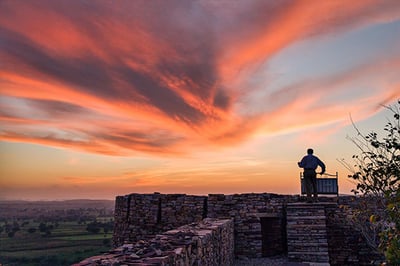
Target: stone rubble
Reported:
[(209, 242)]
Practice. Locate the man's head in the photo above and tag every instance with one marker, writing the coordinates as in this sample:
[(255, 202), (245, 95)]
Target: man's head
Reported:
[(310, 151)]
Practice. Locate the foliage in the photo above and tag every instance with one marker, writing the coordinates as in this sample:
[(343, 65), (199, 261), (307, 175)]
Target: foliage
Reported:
[(31, 230), (42, 227), (107, 242), (95, 227), (378, 182), (66, 243), (365, 216), (390, 238)]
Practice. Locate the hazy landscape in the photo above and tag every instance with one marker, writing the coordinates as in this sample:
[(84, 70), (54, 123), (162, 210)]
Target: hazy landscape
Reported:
[(54, 232)]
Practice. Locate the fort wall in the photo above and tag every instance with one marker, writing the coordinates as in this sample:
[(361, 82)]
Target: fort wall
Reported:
[(142, 216), (259, 225), (209, 242)]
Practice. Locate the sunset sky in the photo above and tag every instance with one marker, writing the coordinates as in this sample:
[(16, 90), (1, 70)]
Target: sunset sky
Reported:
[(105, 98)]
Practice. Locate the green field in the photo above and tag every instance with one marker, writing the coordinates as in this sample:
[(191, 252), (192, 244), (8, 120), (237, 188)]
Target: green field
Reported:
[(67, 243)]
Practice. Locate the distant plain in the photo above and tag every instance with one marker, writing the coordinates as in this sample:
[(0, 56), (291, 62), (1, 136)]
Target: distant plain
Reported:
[(54, 232)]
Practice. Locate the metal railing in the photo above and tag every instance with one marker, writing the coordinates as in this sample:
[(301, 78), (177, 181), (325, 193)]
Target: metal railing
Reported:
[(327, 184)]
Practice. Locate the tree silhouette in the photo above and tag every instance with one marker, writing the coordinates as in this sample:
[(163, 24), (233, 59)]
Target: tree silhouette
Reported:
[(377, 176)]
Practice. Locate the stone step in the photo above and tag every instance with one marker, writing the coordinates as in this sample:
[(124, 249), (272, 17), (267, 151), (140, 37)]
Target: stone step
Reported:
[(306, 237), (305, 226), (309, 256), (309, 250), (302, 229), (310, 235), (321, 253), (309, 239), (305, 242), (299, 233), (309, 246), (305, 206), (306, 233), (295, 220), (305, 223), (304, 214), (307, 217), (305, 209)]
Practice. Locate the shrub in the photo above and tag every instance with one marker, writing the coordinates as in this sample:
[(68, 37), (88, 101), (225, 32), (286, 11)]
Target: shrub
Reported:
[(377, 176)]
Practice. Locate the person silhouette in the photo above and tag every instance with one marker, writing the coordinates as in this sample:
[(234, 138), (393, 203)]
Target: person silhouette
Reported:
[(310, 163)]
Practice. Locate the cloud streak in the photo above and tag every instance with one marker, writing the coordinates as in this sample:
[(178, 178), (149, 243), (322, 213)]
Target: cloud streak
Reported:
[(164, 77)]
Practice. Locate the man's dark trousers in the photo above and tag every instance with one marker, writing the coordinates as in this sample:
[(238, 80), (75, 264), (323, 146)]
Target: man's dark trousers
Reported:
[(310, 179)]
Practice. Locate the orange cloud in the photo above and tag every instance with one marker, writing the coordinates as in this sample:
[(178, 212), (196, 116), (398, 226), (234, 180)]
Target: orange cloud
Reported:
[(312, 103), (128, 77), (279, 26)]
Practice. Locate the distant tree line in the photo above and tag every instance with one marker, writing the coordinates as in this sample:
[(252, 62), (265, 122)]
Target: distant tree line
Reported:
[(10, 228), (46, 227), (95, 227)]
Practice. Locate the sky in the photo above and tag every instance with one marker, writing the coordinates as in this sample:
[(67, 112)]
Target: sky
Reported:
[(105, 98)]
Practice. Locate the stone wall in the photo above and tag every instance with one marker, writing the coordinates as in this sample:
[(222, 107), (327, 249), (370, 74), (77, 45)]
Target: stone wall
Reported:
[(346, 245), (142, 216), (250, 212), (306, 232), (209, 242), (259, 222), (259, 218)]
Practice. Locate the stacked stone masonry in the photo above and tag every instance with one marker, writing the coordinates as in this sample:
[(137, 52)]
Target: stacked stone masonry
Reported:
[(142, 216), (307, 233), (248, 212), (264, 224), (346, 245), (209, 242)]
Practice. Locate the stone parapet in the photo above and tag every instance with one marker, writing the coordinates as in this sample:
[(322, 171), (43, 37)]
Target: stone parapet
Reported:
[(142, 216), (265, 225), (250, 212), (209, 242)]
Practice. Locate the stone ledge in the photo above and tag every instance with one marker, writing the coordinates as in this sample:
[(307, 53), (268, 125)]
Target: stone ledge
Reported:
[(209, 242)]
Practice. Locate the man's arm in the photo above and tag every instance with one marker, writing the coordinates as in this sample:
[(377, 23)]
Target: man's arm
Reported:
[(322, 165), (301, 163)]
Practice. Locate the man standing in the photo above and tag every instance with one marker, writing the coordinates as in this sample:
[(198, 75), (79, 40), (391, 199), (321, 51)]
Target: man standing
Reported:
[(310, 164)]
